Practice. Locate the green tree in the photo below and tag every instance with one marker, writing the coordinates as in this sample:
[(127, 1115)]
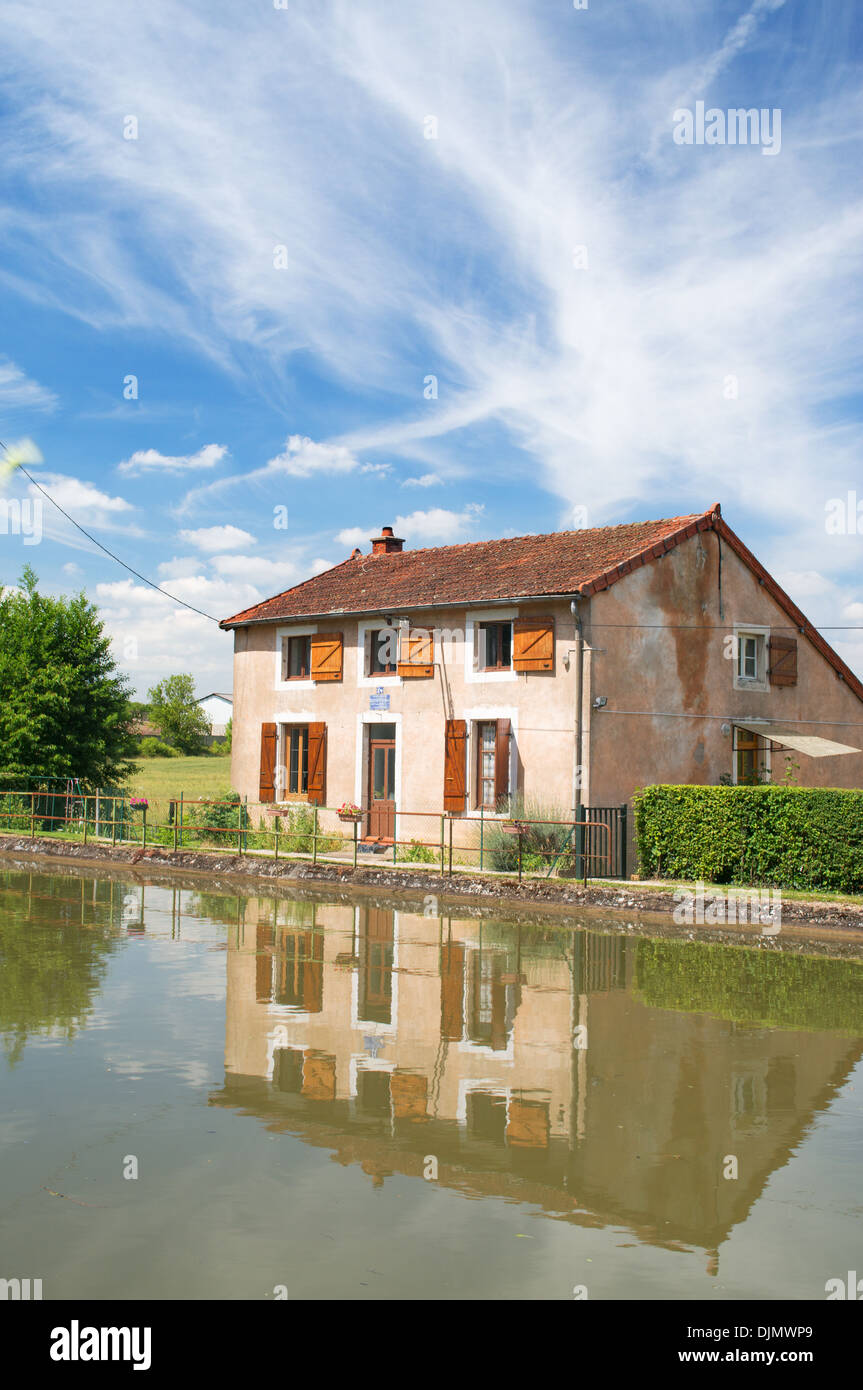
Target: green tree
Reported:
[(64, 707), (175, 714)]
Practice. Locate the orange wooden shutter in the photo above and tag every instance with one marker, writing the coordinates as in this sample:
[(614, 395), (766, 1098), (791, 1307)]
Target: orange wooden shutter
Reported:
[(454, 765), (527, 1124), (501, 761), (452, 991), (317, 778), (326, 656), (263, 965), (267, 784), (533, 644), (409, 1093), (319, 1076), (782, 669), (416, 652)]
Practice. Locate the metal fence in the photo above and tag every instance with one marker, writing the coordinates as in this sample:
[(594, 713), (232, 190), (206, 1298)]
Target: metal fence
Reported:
[(591, 845)]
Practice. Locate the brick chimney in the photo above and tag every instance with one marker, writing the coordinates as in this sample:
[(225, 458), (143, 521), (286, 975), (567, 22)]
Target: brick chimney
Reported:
[(386, 543)]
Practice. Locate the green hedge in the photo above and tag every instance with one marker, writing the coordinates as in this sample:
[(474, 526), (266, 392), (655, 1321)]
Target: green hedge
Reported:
[(793, 837)]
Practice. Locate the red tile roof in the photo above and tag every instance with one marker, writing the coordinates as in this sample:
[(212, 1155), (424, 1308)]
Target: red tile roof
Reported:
[(563, 562)]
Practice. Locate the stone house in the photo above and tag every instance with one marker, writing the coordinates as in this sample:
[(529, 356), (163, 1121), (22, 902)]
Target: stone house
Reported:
[(566, 669)]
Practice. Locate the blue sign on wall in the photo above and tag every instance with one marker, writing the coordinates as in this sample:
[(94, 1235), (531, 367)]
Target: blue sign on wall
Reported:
[(379, 699)]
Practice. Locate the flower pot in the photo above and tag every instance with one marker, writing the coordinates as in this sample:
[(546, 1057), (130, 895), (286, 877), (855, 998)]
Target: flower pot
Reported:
[(351, 820)]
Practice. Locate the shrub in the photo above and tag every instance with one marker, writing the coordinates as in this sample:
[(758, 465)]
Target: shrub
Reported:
[(793, 837), (541, 844), (418, 853), (155, 748), (14, 814)]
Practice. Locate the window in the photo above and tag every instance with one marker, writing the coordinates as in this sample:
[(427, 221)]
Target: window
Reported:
[(298, 758), (382, 651), (296, 658), (494, 646), (486, 754), (751, 759), (750, 666)]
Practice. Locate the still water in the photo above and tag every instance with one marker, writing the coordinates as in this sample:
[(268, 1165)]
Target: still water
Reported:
[(356, 1102)]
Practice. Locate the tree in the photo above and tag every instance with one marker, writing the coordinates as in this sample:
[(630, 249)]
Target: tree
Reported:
[(175, 714), (64, 707)]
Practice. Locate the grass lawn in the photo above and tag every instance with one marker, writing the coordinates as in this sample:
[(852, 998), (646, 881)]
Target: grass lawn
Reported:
[(159, 779)]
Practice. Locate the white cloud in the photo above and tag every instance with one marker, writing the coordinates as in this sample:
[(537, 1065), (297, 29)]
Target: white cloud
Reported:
[(273, 575), (19, 392), (150, 460), (435, 526), (302, 457), (427, 480), (212, 538), (88, 504), (355, 536), (74, 571)]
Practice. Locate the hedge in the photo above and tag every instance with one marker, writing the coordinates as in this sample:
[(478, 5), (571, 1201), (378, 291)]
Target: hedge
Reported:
[(791, 837)]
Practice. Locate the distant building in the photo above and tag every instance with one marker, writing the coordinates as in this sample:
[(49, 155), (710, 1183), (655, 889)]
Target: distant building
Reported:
[(218, 709)]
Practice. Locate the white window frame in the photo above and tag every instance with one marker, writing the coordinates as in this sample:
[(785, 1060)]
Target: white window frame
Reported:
[(282, 633), (483, 714), (762, 636), (364, 681), (472, 620)]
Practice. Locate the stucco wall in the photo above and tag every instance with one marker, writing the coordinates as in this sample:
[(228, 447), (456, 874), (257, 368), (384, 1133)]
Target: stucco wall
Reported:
[(681, 676)]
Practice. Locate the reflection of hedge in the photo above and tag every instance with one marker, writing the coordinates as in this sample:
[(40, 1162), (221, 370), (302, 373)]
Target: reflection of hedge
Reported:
[(770, 989), (795, 837)]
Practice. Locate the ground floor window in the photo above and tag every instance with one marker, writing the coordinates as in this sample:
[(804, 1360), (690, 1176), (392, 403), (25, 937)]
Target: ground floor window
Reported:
[(491, 764), (750, 759), (298, 758)]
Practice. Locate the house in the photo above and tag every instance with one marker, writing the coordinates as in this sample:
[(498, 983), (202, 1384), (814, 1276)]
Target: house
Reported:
[(218, 709), (569, 668)]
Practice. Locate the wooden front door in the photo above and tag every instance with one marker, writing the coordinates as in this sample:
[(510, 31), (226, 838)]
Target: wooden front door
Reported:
[(382, 782)]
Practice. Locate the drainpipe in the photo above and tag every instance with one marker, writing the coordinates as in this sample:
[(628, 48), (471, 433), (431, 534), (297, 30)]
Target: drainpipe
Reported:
[(579, 699)]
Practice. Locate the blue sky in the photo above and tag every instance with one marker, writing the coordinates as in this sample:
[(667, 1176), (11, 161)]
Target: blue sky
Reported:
[(282, 257)]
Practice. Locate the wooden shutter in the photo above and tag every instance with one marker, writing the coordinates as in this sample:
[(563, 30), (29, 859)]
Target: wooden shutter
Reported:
[(501, 761), (452, 991), (454, 765), (782, 668), (267, 784), (527, 1124), (319, 1076), (416, 652), (317, 765), (533, 644), (326, 656), (263, 964)]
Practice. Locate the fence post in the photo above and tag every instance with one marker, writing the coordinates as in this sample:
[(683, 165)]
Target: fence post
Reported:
[(395, 834), (113, 820), (450, 846), (96, 823), (245, 820), (32, 815), (579, 840), (356, 840), (441, 843), (181, 820), (623, 838), (277, 820), (481, 829), (174, 821), (144, 822), (315, 838), (85, 821), (519, 852)]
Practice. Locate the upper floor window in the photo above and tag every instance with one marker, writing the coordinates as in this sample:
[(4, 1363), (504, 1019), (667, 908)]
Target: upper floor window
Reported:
[(296, 658), (382, 653), (494, 647), (750, 667)]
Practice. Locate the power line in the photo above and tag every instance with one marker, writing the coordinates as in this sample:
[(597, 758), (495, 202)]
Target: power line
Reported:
[(110, 553)]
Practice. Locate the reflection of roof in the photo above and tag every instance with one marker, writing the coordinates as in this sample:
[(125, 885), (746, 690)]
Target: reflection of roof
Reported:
[(551, 1178)]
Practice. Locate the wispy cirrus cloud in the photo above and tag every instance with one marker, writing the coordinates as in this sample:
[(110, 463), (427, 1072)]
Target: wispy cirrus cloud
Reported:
[(19, 392), (150, 460)]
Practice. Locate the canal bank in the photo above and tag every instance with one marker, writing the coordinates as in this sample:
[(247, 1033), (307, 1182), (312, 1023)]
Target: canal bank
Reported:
[(832, 927)]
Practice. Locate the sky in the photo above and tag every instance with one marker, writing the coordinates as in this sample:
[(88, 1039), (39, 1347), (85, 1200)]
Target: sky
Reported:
[(276, 274)]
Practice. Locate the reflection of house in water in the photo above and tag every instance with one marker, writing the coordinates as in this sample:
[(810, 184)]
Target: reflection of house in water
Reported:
[(387, 1037)]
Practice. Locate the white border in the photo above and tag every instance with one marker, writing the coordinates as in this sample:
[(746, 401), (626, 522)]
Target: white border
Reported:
[(485, 615), (377, 717), (483, 714), (309, 630), (364, 681), (751, 630)]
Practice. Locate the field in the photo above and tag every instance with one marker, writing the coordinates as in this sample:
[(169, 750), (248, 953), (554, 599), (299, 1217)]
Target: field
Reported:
[(158, 779)]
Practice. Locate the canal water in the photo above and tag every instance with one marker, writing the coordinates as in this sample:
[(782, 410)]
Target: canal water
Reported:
[(205, 1095)]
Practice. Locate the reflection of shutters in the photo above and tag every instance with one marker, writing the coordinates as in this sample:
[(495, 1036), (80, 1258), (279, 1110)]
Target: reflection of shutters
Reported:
[(409, 1092), (319, 1076), (782, 669), (527, 1124), (533, 644), (326, 656), (416, 652), (501, 762), (316, 783), (313, 973), (267, 784), (263, 965), (454, 765), (452, 991)]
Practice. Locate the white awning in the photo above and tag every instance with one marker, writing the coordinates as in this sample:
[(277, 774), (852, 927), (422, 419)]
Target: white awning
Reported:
[(810, 744)]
